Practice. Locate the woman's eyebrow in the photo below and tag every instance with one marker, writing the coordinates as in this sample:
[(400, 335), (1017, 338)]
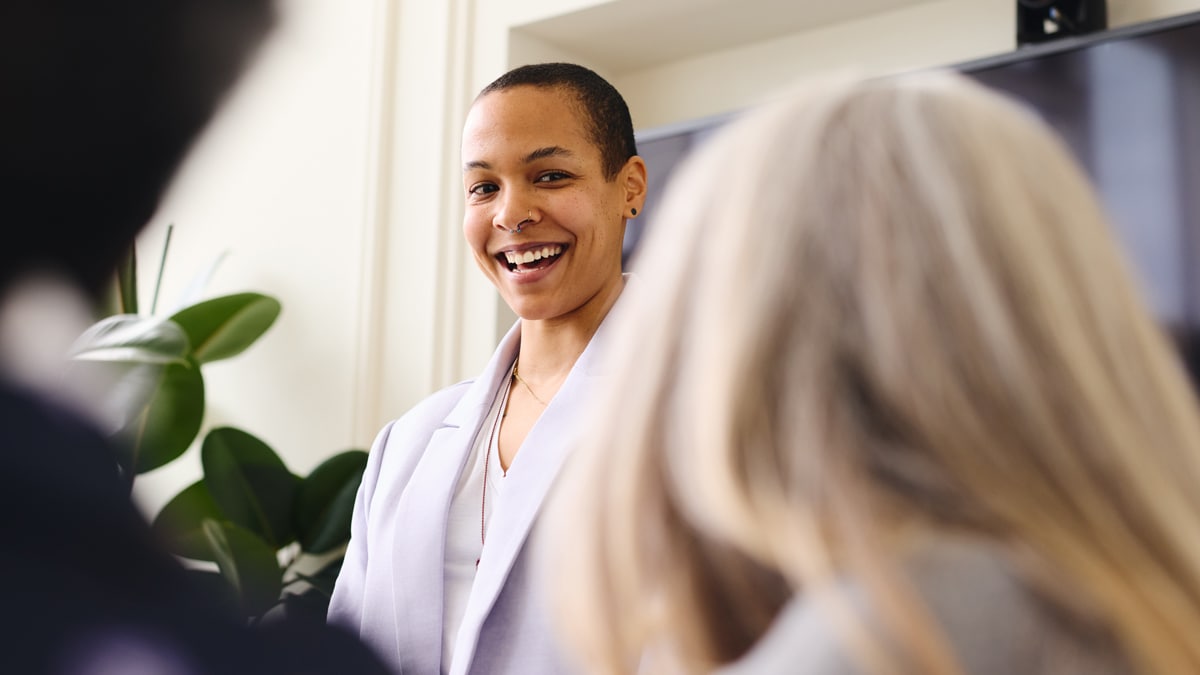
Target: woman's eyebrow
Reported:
[(540, 153), (549, 151)]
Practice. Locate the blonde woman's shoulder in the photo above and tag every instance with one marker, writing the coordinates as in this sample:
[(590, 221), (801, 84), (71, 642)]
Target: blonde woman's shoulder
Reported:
[(991, 620)]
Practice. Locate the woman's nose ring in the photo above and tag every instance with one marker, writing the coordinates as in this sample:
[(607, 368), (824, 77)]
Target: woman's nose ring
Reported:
[(518, 229)]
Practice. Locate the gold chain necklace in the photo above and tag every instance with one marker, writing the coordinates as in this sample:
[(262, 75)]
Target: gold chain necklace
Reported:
[(494, 439), (526, 384)]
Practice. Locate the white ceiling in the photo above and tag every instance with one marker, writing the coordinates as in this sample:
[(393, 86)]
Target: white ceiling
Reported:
[(628, 35)]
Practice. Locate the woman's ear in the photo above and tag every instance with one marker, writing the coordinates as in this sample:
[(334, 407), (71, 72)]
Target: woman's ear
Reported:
[(633, 180)]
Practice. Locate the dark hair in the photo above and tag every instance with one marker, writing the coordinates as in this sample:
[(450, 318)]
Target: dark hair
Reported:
[(101, 101), (608, 118)]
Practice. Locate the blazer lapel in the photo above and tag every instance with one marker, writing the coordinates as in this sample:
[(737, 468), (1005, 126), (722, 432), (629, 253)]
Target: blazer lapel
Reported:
[(418, 547)]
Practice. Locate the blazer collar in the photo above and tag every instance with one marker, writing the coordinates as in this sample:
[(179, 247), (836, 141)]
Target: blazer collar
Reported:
[(475, 403)]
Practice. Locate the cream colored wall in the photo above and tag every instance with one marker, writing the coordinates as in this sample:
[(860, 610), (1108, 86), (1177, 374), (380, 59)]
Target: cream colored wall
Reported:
[(1126, 12), (278, 182), (332, 178), (924, 35)]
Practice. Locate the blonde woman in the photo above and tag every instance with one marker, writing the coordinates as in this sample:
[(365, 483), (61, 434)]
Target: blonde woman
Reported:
[(891, 403)]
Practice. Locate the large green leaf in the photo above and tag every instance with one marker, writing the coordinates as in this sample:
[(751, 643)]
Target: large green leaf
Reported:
[(130, 338), (248, 563), (164, 428), (222, 327), (180, 523), (325, 501), (120, 361), (249, 483)]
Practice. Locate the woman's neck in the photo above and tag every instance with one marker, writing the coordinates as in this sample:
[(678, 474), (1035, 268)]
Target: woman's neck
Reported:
[(550, 347)]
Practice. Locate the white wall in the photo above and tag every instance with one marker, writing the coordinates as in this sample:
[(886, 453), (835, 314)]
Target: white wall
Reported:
[(920, 36), (278, 181), (1126, 12), (332, 178)]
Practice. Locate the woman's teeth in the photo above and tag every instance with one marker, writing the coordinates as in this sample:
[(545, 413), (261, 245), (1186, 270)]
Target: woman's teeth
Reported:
[(526, 257)]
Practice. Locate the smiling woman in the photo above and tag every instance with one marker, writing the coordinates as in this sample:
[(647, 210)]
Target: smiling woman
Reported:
[(436, 574), (538, 180)]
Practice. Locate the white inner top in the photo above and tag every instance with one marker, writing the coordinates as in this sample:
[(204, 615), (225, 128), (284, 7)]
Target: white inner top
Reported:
[(464, 545)]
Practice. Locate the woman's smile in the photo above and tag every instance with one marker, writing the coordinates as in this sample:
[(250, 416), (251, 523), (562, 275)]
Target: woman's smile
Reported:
[(524, 260), (538, 256)]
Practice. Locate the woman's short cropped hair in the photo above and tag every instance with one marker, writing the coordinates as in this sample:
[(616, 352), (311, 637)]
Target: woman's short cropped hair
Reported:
[(609, 122)]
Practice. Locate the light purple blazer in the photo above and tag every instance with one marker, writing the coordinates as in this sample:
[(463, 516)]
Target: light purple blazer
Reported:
[(390, 590)]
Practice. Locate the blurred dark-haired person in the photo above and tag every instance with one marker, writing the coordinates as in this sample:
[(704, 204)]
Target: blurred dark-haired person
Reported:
[(101, 102)]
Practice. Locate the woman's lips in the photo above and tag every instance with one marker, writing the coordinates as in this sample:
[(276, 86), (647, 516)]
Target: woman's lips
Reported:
[(531, 258)]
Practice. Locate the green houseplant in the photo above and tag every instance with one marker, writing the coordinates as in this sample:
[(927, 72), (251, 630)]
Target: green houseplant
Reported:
[(277, 539)]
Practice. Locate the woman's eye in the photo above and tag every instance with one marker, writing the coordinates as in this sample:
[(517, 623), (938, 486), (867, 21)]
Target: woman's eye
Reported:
[(482, 189), (552, 176)]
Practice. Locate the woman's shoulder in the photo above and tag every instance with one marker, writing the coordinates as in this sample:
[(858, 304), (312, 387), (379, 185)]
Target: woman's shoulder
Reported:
[(400, 443), (426, 416), (990, 618), (438, 404), (421, 419)]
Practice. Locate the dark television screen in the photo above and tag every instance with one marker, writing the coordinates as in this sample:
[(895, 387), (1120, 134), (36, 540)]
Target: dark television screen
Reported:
[(1128, 104), (1127, 101)]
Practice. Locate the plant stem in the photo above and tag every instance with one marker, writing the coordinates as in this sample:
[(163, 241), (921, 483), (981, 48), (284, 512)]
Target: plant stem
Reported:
[(162, 265), (127, 284)]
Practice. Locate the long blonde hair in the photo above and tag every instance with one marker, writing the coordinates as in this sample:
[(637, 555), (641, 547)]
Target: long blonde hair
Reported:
[(872, 308)]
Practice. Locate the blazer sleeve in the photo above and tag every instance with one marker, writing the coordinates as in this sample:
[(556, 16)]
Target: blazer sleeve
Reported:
[(345, 606), (394, 456)]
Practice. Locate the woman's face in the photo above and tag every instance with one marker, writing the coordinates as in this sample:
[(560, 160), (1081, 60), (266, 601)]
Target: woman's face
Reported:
[(528, 160)]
